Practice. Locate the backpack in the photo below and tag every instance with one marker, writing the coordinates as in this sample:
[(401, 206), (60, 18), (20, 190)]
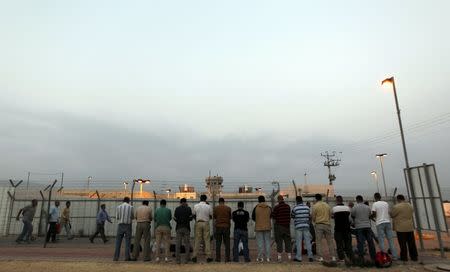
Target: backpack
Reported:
[(383, 260)]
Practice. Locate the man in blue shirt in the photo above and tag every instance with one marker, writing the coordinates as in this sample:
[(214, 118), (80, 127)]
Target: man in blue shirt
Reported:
[(302, 216), (102, 217)]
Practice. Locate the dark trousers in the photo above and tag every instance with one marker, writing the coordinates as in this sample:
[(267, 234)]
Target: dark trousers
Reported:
[(283, 234), (343, 244), (223, 234), (100, 229), (240, 236), (407, 243), (362, 236), (51, 232)]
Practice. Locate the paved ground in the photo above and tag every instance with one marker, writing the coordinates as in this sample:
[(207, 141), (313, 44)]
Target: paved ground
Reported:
[(80, 255)]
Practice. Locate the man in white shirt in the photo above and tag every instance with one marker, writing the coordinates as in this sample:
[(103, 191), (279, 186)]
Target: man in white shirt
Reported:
[(380, 211), (53, 219), (124, 217), (202, 213)]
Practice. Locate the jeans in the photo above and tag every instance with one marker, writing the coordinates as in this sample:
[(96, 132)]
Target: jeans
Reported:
[(51, 232), (263, 241), (343, 244), (365, 235), (240, 236), (100, 229), (183, 235), (386, 229), (123, 230), (26, 231), (222, 234), (142, 232), (283, 235), (407, 243), (324, 231), (300, 235)]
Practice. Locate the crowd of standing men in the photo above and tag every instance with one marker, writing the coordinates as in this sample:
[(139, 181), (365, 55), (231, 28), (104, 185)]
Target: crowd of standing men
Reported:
[(311, 225)]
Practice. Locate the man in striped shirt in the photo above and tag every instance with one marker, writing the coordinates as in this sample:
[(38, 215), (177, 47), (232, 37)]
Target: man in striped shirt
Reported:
[(302, 217), (124, 217), (281, 214)]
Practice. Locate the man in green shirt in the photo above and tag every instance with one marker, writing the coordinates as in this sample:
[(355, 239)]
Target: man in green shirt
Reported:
[(163, 216)]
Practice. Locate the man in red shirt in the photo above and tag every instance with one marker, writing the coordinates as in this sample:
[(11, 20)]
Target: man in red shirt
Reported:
[(281, 215)]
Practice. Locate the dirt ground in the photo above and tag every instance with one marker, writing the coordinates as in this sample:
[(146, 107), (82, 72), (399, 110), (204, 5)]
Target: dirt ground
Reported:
[(100, 266)]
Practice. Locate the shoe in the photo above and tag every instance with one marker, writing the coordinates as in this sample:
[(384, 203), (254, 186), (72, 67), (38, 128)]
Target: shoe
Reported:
[(106, 241), (310, 260), (166, 259), (289, 256), (194, 260), (157, 259), (70, 238), (279, 258), (297, 260), (132, 259), (268, 260), (115, 260), (333, 259), (146, 260), (18, 241), (248, 260), (217, 260), (92, 240), (208, 260), (259, 260), (320, 259)]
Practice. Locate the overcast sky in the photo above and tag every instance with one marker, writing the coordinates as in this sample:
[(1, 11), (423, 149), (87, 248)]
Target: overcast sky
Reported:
[(251, 90)]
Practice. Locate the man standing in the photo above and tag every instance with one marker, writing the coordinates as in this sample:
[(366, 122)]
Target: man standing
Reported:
[(361, 217), (203, 213), (183, 217), (124, 218), (163, 216), (281, 215), (302, 215), (261, 215), (102, 217), (222, 215), (240, 219), (53, 219), (402, 215), (380, 211), (28, 213), (143, 216), (65, 221), (321, 216), (342, 231)]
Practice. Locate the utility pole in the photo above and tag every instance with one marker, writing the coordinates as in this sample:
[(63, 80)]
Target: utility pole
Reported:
[(331, 160)]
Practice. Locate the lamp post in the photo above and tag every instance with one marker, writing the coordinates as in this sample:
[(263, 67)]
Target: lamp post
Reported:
[(375, 177), (88, 183), (125, 183), (411, 193), (140, 181), (380, 157)]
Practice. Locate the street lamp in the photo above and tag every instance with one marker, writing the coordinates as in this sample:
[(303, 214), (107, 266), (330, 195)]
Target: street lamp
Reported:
[(125, 183), (375, 177), (88, 183), (140, 181), (391, 80), (168, 190), (380, 157)]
